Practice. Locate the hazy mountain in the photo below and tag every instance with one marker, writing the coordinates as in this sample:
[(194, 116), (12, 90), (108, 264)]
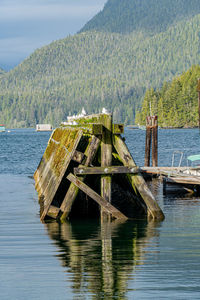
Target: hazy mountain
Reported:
[(98, 69), (126, 16)]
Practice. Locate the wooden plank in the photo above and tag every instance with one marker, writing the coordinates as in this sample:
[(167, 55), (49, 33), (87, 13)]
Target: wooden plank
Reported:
[(137, 180), (161, 170), (106, 161), (82, 170), (109, 208), (73, 189), (53, 211), (118, 128), (57, 175), (183, 180), (87, 128), (78, 156)]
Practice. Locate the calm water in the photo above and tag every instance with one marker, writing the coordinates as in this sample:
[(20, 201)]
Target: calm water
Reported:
[(82, 259)]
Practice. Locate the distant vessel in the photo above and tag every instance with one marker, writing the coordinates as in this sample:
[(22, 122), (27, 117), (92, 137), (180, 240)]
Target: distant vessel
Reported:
[(2, 128), (44, 127)]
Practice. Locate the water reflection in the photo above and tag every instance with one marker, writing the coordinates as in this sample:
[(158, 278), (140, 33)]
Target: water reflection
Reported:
[(102, 258)]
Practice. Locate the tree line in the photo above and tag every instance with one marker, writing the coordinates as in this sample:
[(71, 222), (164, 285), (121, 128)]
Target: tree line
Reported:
[(175, 103), (95, 70)]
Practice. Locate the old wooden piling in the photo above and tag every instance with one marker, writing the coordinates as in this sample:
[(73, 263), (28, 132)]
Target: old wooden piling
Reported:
[(91, 157), (106, 160), (151, 144), (148, 142)]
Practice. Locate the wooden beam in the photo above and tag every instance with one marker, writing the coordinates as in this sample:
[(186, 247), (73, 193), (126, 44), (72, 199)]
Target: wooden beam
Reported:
[(73, 189), (82, 170), (56, 179), (109, 208), (162, 170), (183, 180), (53, 211), (87, 128), (106, 161), (137, 180), (118, 128), (78, 156)]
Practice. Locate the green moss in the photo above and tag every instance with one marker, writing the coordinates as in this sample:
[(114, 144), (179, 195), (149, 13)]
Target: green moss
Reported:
[(60, 147)]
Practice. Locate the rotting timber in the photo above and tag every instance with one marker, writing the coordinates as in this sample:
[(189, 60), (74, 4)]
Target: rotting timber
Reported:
[(87, 170)]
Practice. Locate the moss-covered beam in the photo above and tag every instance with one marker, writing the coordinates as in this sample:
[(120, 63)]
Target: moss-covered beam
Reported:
[(82, 170)]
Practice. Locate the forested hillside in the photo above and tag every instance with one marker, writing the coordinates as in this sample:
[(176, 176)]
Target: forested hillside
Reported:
[(125, 16), (97, 69), (1, 71), (175, 103)]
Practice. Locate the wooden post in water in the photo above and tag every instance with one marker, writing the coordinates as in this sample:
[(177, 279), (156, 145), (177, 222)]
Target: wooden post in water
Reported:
[(106, 161), (154, 141), (198, 90), (151, 141), (148, 142)]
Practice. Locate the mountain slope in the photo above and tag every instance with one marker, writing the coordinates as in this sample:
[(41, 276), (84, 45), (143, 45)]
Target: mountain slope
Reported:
[(95, 70), (175, 102), (125, 16)]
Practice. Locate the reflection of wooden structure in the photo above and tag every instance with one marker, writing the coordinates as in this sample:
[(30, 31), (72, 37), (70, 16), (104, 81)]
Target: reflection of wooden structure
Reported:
[(101, 258), (81, 155)]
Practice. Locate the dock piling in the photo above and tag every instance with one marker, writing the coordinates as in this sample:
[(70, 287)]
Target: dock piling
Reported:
[(81, 156), (151, 141)]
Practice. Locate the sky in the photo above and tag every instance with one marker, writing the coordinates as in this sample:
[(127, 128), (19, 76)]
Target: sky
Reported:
[(26, 25)]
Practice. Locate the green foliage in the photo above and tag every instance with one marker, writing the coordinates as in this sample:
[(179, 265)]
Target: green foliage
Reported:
[(95, 70), (175, 102), (126, 16)]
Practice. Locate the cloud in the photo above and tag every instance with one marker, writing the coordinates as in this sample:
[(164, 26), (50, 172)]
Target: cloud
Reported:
[(29, 24), (41, 11)]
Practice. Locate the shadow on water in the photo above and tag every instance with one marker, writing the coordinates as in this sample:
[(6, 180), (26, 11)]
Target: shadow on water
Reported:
[(102, 258)]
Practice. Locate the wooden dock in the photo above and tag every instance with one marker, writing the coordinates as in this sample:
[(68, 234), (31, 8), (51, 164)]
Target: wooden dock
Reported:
[(185, 178), (174, 174)]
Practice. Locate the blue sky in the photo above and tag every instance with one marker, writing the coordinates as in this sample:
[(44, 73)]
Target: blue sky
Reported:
[(26, 25)]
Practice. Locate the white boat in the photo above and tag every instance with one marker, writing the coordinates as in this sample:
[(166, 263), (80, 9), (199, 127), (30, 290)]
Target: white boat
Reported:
[(44, 127)]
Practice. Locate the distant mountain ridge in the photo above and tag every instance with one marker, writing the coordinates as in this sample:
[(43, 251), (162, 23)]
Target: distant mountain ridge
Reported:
[(126, 16), (95, 69)]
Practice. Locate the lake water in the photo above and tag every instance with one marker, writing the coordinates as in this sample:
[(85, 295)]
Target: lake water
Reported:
[(82, 259)]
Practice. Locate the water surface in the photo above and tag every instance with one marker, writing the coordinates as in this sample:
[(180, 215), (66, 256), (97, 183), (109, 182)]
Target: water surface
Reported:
[(84, 259)]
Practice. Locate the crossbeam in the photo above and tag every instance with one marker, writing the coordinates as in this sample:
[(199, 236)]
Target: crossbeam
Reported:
[(137, 180), (109, 208), (82, 170)]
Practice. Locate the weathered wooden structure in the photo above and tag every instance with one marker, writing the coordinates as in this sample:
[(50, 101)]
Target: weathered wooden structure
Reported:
[(151, 141), (93, 158)]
